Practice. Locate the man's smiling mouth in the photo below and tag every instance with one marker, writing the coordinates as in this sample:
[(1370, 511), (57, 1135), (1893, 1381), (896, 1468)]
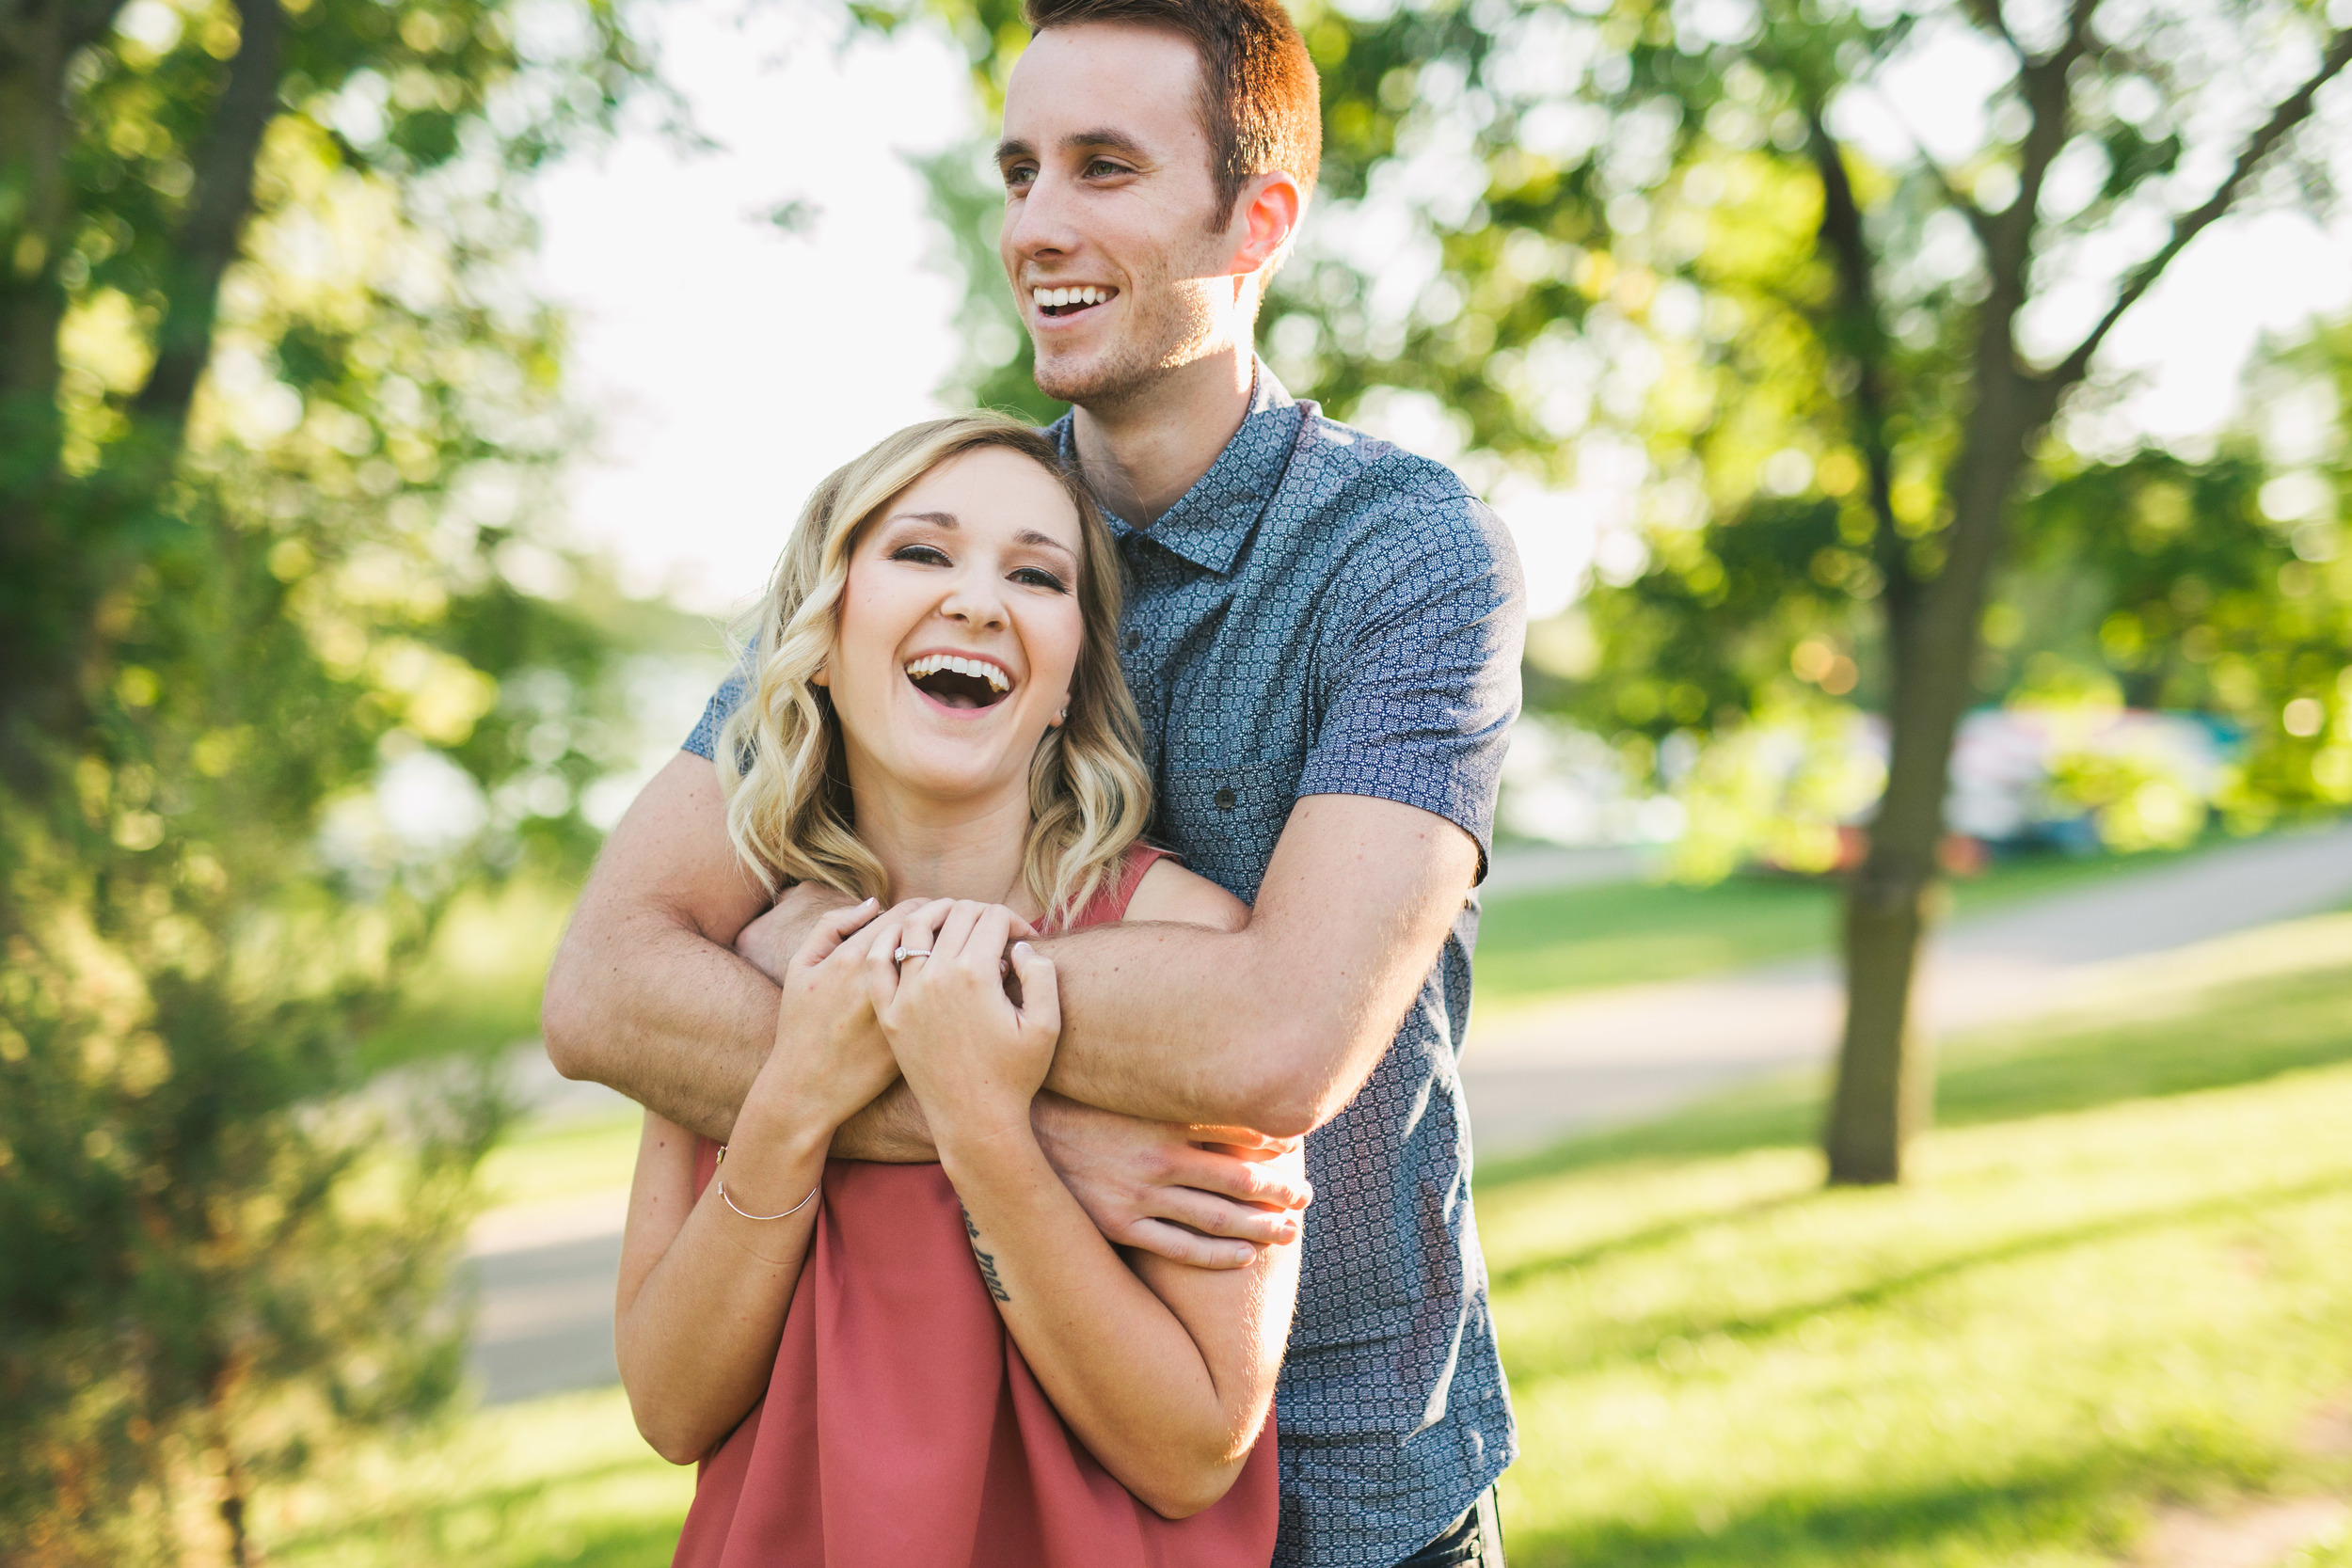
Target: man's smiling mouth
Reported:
[(1056, 303), (960, 682)]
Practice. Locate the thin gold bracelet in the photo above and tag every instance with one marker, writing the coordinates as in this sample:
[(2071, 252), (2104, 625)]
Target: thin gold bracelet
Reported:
[(730, 1202)]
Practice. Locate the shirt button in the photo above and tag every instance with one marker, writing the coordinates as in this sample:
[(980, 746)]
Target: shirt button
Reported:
[(1133, 641), (1225, 799)]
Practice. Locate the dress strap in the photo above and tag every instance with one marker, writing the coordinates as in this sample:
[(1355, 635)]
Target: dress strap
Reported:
[(1109, 905)]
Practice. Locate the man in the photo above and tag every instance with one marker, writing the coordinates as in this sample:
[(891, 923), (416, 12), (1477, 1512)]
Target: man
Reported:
[(1323, 635)]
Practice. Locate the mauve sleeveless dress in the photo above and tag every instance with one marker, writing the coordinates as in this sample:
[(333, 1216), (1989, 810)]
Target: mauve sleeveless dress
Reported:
[(902, 1429)]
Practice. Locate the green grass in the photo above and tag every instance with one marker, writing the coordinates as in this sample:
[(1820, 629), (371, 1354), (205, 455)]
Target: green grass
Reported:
[(2120, 1278), (564, 1161), (564, 1479), (1532, 946), (477, 988)]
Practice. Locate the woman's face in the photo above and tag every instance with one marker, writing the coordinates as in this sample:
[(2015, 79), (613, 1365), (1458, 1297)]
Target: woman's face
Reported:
[(960, 630)]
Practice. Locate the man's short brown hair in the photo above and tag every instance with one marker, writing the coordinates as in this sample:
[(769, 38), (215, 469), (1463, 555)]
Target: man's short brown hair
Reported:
[(1260, 98)]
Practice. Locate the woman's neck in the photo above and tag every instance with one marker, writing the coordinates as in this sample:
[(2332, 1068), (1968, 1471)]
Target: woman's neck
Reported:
[(936, 849)]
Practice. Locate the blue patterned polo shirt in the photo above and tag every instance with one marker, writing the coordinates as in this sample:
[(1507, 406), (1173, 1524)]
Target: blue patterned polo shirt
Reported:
[(1325, 614)]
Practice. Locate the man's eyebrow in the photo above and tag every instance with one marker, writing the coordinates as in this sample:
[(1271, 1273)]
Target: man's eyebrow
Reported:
[(1105, 138)]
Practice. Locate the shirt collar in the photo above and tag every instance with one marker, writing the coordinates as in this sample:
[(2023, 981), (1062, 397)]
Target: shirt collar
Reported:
[(1211, 522)]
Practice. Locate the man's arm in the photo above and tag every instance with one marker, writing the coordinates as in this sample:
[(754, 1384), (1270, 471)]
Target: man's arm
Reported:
[(646, 993), (1277, 1026)]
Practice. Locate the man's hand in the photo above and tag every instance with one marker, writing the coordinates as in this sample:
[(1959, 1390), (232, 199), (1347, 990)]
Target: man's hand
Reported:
[(769, 942), (1208, 1197)]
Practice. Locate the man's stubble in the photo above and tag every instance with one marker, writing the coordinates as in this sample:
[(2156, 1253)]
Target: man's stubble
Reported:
[(1172, 322)]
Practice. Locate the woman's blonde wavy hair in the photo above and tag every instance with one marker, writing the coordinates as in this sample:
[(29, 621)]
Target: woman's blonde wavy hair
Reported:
[(789, 811)]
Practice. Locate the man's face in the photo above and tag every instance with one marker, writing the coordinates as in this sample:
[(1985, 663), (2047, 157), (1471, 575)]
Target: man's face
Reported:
[(1108, 195)]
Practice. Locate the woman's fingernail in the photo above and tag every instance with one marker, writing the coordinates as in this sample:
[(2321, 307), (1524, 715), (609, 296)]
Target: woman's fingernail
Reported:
[(1020, 949)]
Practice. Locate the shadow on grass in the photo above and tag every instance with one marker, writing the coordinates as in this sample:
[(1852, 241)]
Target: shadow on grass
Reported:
[(2115, 1228), (2101, 1496), (2236, 1034), (1663, 1234)]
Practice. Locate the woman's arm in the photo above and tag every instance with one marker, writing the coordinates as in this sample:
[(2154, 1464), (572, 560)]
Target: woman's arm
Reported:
[(703, 1288), (1165, 1372)]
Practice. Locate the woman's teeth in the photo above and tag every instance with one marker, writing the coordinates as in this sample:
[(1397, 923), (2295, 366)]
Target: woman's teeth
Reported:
[(1054, 299), (979, 669)]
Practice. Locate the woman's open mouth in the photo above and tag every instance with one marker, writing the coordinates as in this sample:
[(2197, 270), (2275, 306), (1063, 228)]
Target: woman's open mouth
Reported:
[(1061, 304), (958, 682)]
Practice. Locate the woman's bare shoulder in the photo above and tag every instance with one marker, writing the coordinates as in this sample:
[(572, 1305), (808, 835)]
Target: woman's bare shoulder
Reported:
[(1170, 892)]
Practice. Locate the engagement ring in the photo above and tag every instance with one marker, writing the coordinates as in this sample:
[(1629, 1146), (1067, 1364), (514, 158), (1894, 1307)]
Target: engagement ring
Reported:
[(903, 954)]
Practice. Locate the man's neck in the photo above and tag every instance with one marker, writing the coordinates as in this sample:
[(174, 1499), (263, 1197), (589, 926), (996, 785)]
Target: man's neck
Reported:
[(1142, 451)]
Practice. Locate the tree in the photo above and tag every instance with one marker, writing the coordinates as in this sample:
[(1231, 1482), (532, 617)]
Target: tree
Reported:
[(273, 404), (1708, 227)]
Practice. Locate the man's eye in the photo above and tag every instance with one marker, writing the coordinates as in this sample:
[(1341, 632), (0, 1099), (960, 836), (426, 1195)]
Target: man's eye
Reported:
[(1036, 576), (1102, 169), (1019, 176), (922, 555)]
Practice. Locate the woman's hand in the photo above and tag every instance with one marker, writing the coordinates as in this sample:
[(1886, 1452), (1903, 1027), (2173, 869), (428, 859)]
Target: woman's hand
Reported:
[(830, 1059), (974, 1058)]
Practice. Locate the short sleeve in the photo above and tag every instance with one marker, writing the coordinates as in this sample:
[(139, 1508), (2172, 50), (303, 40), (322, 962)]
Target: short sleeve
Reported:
[(704, 742), (1419, 673)]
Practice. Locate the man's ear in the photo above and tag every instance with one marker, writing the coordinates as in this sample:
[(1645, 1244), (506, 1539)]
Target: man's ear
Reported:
[(1266, 216)]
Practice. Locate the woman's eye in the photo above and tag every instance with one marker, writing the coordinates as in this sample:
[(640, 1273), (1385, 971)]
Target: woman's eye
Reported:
[(922, 555), (1036, 576)]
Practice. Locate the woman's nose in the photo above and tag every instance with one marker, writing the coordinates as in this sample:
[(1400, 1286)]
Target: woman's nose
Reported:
[(975, 601)]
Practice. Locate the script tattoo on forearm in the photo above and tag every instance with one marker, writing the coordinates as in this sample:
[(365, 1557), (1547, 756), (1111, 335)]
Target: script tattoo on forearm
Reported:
[(987, 1260)]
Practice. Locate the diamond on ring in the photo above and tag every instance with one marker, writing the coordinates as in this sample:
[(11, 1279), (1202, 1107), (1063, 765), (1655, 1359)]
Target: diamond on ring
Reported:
[(903, 954)]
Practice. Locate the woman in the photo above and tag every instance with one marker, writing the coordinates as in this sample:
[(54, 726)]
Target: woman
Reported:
[(920, 1365)]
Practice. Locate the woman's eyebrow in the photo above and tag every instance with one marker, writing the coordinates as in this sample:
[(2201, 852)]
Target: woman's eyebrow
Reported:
[(938, 519), (1031, 536)]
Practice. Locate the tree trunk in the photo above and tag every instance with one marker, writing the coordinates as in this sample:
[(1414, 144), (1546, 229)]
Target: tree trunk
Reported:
[(1886, 1078), (34, 209)]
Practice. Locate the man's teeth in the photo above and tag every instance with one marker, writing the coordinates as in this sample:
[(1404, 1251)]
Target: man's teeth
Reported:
[(1086, 294), (931, 664)]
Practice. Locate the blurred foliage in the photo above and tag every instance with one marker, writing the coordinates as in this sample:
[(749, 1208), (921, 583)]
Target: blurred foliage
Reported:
[(1609, 242), (1568, 240), (1694, 255), (282, 668)]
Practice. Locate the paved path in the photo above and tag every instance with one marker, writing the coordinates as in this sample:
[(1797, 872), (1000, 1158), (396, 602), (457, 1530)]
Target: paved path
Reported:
[(546, 1272), (1535, 1075)]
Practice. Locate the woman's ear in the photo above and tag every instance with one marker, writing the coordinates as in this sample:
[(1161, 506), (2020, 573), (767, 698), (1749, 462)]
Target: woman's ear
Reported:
[(823, 677)]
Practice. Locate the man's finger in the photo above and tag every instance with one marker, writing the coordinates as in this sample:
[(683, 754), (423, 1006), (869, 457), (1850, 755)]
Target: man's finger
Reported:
[(1242, 1138), (1213, 1215), (1277, 1183), (1179, 1246)]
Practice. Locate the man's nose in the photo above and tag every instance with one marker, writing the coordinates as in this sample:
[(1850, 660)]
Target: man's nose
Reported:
[(1038, 225)]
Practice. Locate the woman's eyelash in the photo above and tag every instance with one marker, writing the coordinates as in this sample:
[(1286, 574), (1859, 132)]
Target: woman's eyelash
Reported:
[(928, 554), (1039, 578)]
